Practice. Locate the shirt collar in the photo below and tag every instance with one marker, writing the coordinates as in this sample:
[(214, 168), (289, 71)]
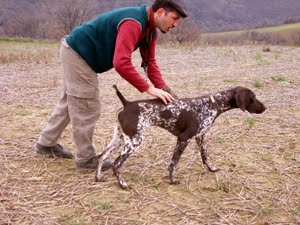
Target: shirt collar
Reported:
[(151, 14)]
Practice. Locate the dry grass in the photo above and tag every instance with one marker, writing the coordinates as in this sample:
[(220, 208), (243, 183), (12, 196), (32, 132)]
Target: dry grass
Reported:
[(23, 50), (259, 155)]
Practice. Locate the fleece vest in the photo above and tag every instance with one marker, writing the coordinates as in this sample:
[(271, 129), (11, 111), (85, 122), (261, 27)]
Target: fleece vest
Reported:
[(95, 40)]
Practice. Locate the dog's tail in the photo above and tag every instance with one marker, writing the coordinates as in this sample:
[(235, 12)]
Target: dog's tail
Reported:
[(121, 97)]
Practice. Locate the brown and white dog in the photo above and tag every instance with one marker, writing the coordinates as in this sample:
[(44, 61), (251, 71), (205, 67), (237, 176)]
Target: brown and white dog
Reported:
[(185, 118)]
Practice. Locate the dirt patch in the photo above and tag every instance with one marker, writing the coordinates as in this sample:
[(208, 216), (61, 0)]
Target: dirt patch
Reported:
[(259, 160)]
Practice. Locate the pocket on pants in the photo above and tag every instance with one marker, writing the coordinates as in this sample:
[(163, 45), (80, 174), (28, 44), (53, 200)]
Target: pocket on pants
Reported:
[(84, 104), (79, 90)]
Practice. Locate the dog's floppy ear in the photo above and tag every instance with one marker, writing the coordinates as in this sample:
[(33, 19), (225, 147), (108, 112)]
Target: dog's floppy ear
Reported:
[(242, 98)]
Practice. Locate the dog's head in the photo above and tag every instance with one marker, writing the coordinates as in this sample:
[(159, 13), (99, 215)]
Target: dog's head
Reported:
[(246, 100)]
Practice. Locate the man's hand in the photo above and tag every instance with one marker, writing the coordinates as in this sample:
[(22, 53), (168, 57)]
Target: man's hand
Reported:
[(168, 89), (159, 93)]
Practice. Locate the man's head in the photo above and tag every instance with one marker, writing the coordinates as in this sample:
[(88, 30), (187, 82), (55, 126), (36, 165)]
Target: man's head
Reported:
[(167, 13)]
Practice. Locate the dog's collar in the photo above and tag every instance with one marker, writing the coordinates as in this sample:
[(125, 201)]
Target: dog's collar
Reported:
[(214, 102), (212, 99)]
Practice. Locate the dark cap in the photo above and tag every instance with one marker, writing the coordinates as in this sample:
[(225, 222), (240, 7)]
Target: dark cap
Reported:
[(177, 5)]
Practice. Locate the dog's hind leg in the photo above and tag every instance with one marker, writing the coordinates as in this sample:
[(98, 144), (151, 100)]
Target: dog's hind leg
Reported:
[(204, 155), (131, 145), (181, 145), (114, 144)]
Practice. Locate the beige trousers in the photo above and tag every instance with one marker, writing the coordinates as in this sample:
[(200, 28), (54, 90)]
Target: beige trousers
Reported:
[(79, 104)]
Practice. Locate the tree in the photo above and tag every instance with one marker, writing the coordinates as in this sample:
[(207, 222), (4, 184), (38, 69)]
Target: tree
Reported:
[(186, 32), (23, 25), (71, 13)]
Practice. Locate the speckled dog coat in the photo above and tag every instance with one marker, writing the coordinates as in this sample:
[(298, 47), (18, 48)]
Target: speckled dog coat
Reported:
[(184, 118)]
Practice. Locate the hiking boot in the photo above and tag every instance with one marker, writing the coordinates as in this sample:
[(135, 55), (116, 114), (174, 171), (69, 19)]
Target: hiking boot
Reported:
[(92, 165), (55, 150)]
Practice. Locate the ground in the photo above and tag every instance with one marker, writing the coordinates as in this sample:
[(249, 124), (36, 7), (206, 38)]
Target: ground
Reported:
[(259, 155)]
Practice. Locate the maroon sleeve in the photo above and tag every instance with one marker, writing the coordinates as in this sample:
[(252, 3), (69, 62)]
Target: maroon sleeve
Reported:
[(153, 70), (128, 36)]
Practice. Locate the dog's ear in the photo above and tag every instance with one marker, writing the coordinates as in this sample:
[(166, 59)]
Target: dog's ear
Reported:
[(242, 99)]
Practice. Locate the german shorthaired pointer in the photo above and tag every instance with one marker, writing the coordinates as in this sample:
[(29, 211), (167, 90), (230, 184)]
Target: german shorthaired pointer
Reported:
[(184, 118)]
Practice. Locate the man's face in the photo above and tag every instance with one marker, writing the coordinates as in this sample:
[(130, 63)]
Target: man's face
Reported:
[(166, 20)]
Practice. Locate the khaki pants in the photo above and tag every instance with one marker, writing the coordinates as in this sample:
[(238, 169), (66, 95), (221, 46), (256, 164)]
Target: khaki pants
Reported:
[(79, 103)]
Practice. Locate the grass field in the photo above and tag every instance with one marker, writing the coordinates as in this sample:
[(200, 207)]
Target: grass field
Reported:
[(282, 29), (259, 155)]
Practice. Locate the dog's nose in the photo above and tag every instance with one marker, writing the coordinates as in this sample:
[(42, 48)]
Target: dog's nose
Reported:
[(262, 108)]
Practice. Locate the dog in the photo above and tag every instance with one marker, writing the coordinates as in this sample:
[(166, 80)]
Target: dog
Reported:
[(185, 118)]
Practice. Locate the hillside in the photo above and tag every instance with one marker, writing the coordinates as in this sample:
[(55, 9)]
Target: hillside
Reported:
[(209, 16), (225, 15)]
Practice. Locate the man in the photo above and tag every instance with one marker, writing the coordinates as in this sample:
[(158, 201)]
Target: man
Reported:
[(95, 47)]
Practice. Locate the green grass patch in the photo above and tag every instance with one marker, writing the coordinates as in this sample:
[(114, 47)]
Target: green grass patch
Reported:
[(296, 211), (279, 79), (101, 205), (124, 198), (276, 29), (14, 41), (262, 210), (250, 122), (288, 34), (219, 141), (259, 60), (282, 80), (258, 84), (267, 158), (276, 55), (76, 222), (280, 29), (230, 81), (24, 112)]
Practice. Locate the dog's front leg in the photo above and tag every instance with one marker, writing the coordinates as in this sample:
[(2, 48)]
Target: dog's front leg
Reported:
[(181, 145), (204, 155)]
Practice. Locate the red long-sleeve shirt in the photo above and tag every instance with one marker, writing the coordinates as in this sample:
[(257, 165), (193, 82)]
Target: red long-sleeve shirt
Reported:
[(129, 35)]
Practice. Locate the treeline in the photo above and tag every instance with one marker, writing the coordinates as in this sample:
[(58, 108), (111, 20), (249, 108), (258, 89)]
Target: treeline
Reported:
[(54, 19)]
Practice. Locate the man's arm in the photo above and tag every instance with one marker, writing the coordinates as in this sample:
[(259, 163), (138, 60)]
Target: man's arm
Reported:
[(154, 73), (128, 36)]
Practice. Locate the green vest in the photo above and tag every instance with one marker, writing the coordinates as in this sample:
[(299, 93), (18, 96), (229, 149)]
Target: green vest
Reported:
[(95, 40)]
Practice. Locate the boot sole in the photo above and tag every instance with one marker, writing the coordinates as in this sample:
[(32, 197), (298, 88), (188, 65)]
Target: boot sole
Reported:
[(85, 170), (53, 155)]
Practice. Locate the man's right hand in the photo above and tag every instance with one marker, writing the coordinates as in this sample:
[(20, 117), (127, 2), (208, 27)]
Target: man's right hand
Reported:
[(168, 89), (159, 93)]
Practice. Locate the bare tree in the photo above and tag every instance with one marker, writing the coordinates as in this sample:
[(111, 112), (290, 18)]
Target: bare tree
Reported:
[(23, 25), (71, 13), (186, 32)]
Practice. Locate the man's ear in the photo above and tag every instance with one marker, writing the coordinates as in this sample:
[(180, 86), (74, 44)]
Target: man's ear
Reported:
[(160, 12)]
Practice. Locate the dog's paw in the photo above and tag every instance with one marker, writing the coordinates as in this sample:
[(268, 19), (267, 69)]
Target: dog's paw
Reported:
[(100, 179), (123, 184), (175, 181), (213, 169)]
